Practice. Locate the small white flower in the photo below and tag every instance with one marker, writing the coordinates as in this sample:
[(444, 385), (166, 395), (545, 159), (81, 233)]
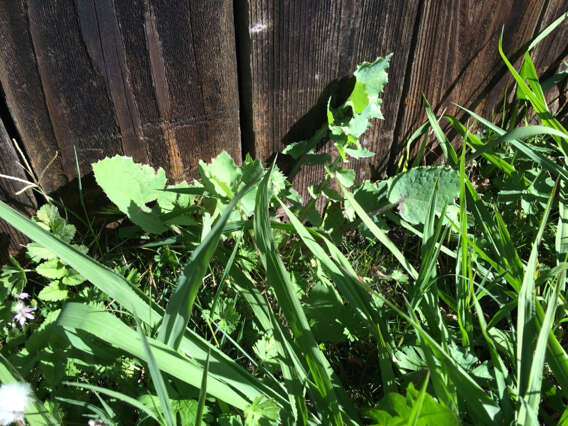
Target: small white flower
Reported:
[(23, 313), (13, 400), (23, 296)]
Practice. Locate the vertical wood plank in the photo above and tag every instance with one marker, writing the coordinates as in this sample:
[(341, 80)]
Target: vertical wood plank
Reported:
[(299, 48), (456, 59), (153, 79), (22, 87), (551, 52), (11, 240), (75, 92)]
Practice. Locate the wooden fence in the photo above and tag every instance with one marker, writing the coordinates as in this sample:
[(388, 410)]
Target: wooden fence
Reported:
[(172, 82)]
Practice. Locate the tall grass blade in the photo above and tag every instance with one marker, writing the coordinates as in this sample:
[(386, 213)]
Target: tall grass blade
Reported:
[(343, 275), (527, 327), (379, 235), (157, 378), (113, 331), (118, 396), (202, 394), (530, 359), (417, 406), (279, 280), (180, 305), (541, 110), (445, 144), (135, 302), (463, 271)]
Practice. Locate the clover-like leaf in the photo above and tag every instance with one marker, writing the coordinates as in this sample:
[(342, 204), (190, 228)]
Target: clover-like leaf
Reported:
[(53, 293), (52, 269), (48, 217)]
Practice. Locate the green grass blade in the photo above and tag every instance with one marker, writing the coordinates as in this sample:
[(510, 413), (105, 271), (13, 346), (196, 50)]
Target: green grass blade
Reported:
[(279, 280), (514, 135), (445, 144), (527, 328), (180, 305), (482, 408), (530, 359), (35, 413), (540, 109), (115, 286), (414, 416), (116, 395), (379, 235), (202, 394), (531, 398), (157, 379), (118, 289), (528, 72), (476, 143), (113, 331), (464, 289), (544, 33), (500, 371), (343, 275)]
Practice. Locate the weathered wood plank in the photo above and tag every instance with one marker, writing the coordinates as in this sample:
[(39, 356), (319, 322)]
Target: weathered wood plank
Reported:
[(182, 71), (551, 52), (298, 48), (11, 240), (153, 79), (456, 58), (22, 87), (75, 92)]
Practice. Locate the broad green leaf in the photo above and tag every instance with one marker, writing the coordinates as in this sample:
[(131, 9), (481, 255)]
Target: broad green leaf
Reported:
[(371, 78), (412, 189), (346, 177), (13, 278), (260, 411), (418, 408), (72, 278), (131, 186), (37, 253)]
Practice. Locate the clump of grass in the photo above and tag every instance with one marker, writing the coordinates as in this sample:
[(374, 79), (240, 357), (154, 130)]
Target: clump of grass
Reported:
[(435, 296)]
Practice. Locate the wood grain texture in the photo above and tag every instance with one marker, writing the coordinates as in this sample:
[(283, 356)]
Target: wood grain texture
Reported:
[(551, 52), (456, 58), (11, 240), (299, 49), (21, 83), (152, 79)]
